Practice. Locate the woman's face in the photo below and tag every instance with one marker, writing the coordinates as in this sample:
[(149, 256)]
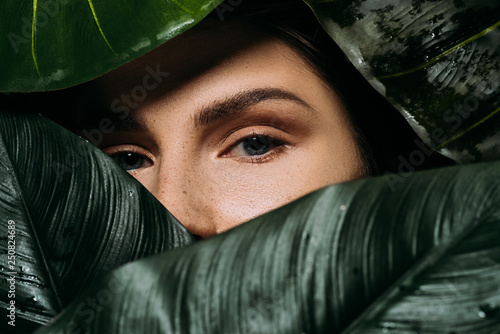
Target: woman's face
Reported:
[(223, 124)]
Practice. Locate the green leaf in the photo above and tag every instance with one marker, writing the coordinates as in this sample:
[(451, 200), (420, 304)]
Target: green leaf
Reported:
[(73, 215), (426, 248), (52, 44), (401, 253), (437, 61)]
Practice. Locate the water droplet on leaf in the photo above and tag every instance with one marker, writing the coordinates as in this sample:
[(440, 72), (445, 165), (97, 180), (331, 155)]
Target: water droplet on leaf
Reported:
[(488, 310), (387, 326)]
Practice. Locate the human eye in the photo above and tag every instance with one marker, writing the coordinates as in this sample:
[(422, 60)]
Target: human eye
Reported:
[(256, 148), (130, 157)]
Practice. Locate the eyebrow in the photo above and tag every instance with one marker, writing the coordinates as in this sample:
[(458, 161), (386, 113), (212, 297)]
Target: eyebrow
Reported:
[(213, 113), (120, 121), (129, 123), (237, 103)]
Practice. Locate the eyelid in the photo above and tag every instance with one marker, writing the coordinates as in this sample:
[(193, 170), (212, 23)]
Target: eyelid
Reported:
[(275, 135), (257, 128), (132, 148)]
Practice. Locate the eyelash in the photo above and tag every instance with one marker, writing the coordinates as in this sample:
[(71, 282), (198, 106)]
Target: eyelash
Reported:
[(129, 149), (268, 156), (264, 158), (278, 147)]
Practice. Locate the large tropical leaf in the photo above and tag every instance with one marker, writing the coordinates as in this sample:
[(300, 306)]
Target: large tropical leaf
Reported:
[(68, 215), (52, 44), (314, 265), (437, 61), (428, 250)]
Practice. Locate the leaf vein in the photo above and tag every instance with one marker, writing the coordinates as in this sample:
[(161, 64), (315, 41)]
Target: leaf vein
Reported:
[(33, 32), (468, 129), (181, 6), (444, 54), (92, 9), (10, 166)]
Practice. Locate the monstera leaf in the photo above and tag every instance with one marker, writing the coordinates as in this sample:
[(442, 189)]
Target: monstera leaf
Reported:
[(422, 258), (438, 62), (68, 216), (52, 44)]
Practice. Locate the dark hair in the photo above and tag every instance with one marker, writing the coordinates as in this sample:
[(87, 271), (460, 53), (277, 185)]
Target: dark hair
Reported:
[(384, 136)]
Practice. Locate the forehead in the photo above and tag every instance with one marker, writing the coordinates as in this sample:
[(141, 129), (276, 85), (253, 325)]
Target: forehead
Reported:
[(207, 63), (184, 58)]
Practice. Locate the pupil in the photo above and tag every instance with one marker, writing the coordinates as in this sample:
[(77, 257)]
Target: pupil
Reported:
[(257, 145), (130, 161)]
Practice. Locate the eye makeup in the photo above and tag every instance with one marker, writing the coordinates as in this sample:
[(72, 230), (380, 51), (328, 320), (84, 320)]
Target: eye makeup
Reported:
[(258, 147)]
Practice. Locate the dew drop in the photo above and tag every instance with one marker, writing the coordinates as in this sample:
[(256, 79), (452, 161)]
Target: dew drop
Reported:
[(31, 300), (433, 35), (343, 207), (131, 192), (488, 310), (387, 326)]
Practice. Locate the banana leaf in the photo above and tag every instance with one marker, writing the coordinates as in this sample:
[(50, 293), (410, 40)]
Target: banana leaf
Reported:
[(362, 257), (437, 62), (69, 215), (365, 256)]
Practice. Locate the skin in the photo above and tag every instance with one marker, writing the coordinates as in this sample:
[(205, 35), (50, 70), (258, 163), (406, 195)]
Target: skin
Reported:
[(202, 171)]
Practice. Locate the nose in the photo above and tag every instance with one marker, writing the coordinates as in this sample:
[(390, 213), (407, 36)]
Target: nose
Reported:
[(181, 191)]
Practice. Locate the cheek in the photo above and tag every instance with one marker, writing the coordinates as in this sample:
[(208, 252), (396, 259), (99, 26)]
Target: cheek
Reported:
[(244, 192), (341, 162), (242, 196), (147, 179), (241, 192)]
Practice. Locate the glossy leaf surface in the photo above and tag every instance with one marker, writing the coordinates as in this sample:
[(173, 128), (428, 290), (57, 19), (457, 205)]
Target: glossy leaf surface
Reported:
[(438, 62), (427, 249), (52, 44), (73, 214)]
